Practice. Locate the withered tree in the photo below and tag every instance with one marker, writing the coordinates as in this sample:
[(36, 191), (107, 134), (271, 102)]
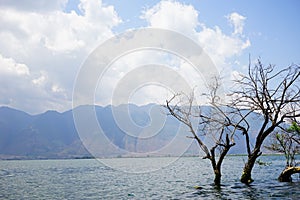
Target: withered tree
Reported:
[(211, 125), (272, 95), (287, 142), (275, 95)]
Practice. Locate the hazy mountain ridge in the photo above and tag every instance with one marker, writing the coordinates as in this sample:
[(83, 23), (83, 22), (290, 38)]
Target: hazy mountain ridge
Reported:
[(47, 135), (53, 134)]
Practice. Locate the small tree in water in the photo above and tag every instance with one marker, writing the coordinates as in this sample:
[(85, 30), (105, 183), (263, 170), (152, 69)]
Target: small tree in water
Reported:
[(275, 95), (288, 143), (212, 122)]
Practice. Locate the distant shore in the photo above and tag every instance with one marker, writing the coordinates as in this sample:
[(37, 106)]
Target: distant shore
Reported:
[(11, 157)]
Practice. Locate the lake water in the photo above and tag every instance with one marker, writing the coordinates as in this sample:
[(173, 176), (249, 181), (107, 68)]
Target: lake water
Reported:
[(91, 179)]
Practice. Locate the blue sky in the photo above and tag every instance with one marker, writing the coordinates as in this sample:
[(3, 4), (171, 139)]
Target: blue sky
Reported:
[(271, 25), (44, 43)]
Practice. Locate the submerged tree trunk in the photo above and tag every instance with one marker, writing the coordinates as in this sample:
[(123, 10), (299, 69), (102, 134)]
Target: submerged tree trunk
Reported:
[(255, 153), (217, 180), (246, 176), (286, 174), (217, 165)]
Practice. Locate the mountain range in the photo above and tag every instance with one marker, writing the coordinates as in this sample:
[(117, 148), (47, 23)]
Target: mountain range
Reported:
[(52, 134)]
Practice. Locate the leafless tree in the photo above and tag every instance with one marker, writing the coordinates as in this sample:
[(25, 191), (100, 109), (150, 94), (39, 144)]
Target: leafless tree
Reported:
[(275, 95), (212, 122), (287, 142), (263, 91)]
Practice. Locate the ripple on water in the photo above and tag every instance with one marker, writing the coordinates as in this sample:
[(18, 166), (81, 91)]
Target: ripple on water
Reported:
[(89, 179)]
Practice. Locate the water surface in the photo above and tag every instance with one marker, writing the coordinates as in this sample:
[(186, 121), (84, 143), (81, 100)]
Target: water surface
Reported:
[(90, 179)]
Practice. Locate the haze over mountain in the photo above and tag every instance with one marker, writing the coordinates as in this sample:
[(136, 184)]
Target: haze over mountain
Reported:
[(53, 134)]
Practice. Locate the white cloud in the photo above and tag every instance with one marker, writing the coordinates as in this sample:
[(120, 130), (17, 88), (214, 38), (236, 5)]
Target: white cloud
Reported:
[(9, 66), (172, 15), (59, 31), (38, 39), (238, 22), (235, 75), (44, 47), (220, 46), (56, 88), (33, 5), (184, 18), (119, 73), (40, 80), (20, 89)]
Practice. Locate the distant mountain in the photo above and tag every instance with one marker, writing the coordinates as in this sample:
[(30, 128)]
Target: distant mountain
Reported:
[(47, 135), (53, 134)]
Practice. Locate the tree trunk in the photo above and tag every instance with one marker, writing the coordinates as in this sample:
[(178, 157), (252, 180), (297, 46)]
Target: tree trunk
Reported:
[(246, 176), (286, 174), (216, 168), (217, 180)]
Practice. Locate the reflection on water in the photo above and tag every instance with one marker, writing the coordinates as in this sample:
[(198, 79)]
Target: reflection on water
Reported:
[(187, 178)]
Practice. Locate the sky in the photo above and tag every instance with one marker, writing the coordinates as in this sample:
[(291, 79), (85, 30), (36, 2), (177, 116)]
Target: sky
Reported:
[(44, 44)]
